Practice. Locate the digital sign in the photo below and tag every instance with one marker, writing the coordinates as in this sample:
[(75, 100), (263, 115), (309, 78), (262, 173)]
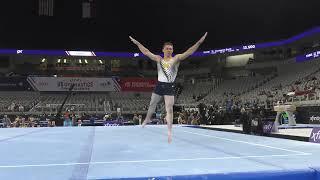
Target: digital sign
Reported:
[(136, 54), (230, 50), (313, 55), (308, 56), (80, 53)]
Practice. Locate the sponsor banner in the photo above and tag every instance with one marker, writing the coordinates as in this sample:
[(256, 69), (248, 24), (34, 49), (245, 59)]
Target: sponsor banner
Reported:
[(80, 84), (117, 123), (267, 127), (314, 119), (14, 84), (308, 115), (113, 123), (315, 135), (137, 84)]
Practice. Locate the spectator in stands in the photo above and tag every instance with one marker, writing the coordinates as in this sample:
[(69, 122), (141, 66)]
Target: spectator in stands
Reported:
[(219, 117), (12, 106), (244, 119), (31, 121), (140, 119), (21, 108), (180, 121), (73, 120), (135, 119), (6, 121), (67, 120), (256, 122), (17, 122), (196, 119), (79, 122)]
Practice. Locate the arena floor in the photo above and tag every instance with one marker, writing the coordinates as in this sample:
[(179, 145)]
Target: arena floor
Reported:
[(131, 152)]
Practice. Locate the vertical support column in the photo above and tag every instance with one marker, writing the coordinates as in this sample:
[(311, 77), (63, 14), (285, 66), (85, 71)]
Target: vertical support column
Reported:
[(292, 121), (276, 123)]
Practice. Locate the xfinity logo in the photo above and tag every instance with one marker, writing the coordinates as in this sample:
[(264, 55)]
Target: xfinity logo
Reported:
[(268, 127), (315, 136), (314, 118), (111, 124)]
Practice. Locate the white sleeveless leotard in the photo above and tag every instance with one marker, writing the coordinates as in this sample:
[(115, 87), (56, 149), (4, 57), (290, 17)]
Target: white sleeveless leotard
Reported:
[(167, 70)]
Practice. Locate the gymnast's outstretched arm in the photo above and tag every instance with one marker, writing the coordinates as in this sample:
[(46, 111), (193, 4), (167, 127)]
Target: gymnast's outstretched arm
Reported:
[(191, 50), (146, 51)]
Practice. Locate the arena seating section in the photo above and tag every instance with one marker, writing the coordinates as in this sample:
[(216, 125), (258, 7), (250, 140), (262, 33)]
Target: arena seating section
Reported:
[(300, 78)]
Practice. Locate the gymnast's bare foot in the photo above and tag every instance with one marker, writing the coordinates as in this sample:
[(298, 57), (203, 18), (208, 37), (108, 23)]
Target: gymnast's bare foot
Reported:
[(145, 122)]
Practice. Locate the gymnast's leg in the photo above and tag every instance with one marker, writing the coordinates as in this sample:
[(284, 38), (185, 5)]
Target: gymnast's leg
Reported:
[(169, 101), (155, 99)]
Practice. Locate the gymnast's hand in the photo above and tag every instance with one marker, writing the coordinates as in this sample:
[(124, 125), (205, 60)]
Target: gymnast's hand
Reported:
[(133, 40), (146, 51), (203, 38), (191, 50)]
